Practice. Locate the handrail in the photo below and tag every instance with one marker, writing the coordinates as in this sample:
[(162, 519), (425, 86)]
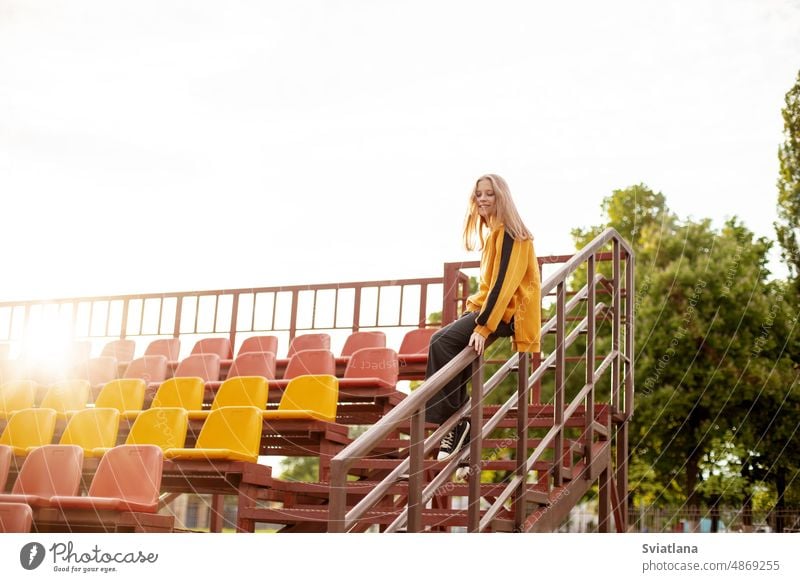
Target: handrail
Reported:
[(411, 407)]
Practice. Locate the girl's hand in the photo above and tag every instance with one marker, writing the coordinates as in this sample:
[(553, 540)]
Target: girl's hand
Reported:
[(478, 341)]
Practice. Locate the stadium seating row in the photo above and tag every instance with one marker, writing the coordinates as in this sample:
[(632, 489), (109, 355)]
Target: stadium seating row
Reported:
[(211, 358), (231, 429), (126, 485)]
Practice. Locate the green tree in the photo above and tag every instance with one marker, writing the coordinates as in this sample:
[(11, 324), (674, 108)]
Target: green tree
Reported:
[(788, 223), (701, 354)]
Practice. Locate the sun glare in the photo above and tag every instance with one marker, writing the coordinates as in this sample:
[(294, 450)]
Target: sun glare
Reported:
[(48, 348)]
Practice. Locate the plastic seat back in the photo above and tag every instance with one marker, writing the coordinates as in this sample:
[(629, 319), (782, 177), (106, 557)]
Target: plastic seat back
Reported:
[(50, 470), (205, 366), (310, 362), (80, 351), (309, 341), (254, 364), (31, 427), (15, 518), (318, 393), (164, 427), (180, 392), (92, 428), (124, 394), (16, 396), (6, 454), (131, 473), (373, 363), (220, 346), (171, 348), (259, 343), (235, 428), (417, 341), (100, 370), (123, 350), (242, 391), (148, 368), (67, 396), (363, 339)]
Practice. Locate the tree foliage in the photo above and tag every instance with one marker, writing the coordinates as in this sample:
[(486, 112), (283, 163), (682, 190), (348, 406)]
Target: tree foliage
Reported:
[(788, 225), (711, 359)]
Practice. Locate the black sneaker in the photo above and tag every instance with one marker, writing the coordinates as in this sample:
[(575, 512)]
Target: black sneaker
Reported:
[(454, 440)]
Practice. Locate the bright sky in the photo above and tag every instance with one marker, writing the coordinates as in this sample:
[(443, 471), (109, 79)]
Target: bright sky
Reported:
[(164, 145)]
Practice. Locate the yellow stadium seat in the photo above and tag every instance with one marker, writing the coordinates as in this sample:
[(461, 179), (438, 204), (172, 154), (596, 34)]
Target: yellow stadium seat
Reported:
[(163, 427), (28, 429), (308, 397), (67, 397), (92, 429), (184, 392), (125, 394), (229, 433), (237, 391), (16, 396)]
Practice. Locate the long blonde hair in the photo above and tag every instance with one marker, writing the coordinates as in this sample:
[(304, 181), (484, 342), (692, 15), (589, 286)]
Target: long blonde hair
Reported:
[(505, 213)]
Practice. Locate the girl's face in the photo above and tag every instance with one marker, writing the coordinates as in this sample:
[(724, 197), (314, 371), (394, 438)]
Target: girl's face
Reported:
[(484, 198)]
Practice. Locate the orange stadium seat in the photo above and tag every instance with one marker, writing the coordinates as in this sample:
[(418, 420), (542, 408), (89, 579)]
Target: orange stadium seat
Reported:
[(320, 361), (259, 343), (363, 339), (253, 364), (15, 518), (128, 478), (99, 370), (220, 346), (309, 341), (375, 366), (205, 366), (171, 348), (48, 470), (6, 454), (414, 347), (148, 368), (122, 349)]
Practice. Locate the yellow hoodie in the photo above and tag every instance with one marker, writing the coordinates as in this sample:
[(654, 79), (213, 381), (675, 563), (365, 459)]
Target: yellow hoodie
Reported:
[(510, 286)]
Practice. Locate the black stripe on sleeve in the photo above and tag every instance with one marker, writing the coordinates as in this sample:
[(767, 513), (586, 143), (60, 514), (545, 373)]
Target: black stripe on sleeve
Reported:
[(491, 300)]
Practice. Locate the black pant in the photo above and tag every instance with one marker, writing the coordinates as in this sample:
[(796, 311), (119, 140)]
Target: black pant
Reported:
[(445, 345)]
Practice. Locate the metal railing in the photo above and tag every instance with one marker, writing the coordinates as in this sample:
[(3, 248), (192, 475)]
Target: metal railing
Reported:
[(613, 489), (232, 312)]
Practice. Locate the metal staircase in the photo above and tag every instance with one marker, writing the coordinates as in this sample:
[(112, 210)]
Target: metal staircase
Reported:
[(550, 454)]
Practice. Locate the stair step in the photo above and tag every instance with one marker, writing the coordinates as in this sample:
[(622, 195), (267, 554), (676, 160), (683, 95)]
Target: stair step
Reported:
[(487, 465), (430, 517), (322, 489)]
